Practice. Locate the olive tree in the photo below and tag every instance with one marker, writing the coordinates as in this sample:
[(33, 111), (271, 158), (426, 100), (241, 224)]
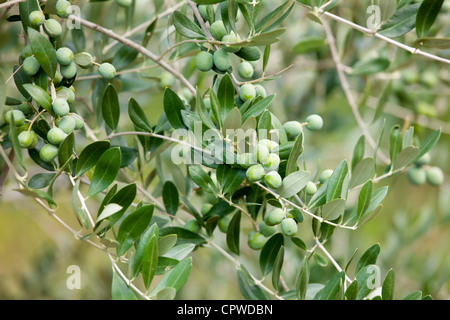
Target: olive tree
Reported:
[(215, 168)]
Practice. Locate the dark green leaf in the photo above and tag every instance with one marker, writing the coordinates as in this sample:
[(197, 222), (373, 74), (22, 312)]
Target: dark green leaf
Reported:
[(297, 150), (335, 183), (41, 180), (186, 27), (365, 196), (358, 151), (39, 95), (90, 155), (124, 56), (138, 116), (302, 280), (258, 108), (369, 257), (20, 78), (15, 142), (172, 107), (176, 277), (65, 151), (417, 295), (184, 236), (110, 107), (247, 285), (25, 8), (225, 94), (105, 171), (333, 287), (269, 253), (277, 269), (427, 14), (429, 143), (43, 51), (233, 233), (133, 226), (387, 290), (171, 198), (395, 145), (120, 290), (401, 22), (352, 291), (202, 179)]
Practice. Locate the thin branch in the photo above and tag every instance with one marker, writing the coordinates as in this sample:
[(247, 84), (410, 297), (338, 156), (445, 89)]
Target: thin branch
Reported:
[(144, 25), (330, 257), (10, 3), (205, 29), (370, 32), (136, 47), (346, 88)]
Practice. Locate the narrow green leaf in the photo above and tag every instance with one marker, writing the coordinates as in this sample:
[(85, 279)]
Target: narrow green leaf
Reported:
[(320, 259), (110, 107), (166, 243), (176, 277), (123, 57), (105, 171), (43, 51), (429, 143), (150, 261), (352, 291), (269, 253), (138, 116), (401, 22), (15, 141), (202, 111), (109, 210), (233, 233), (426, 16), (247, 285), (297, 150), (358, 151), (387, 290), (225, 95), (258, 108), (41, 180), (232, 122), (365, 196), (39, 95), (333, 287), (416, 295), (369, 257), (395, 145), (277, 269), (294, 183), (186, 27), (133, 226), (90, 155), (336, 181), (172, 107), (66, 150), (170, 197), (202, 179), (309, 45), (382, 101), (120, 290), (302, 280)]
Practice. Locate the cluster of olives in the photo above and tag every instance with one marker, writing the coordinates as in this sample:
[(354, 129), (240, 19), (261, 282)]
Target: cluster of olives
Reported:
[(220, 59), (264, 162), (65, 122), (64, 55), (421, 172)]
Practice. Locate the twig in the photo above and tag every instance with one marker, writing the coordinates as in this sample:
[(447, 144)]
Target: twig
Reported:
[(136, 47), (346, 88), (377, 35)]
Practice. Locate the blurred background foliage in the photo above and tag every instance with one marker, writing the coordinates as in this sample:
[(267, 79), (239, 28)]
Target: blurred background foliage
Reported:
[(413, 228)]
